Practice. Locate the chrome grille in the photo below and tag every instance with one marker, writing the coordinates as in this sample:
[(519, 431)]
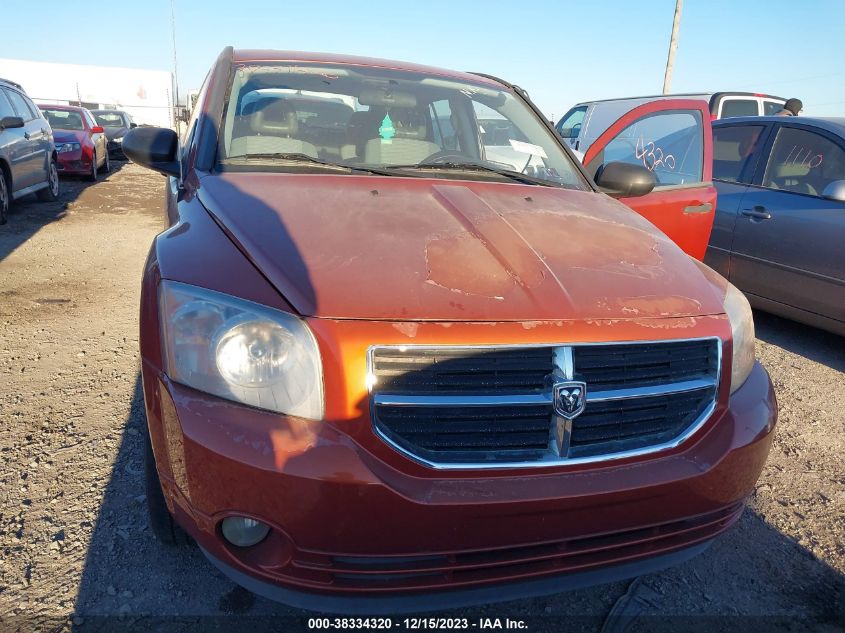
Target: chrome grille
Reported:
[(459, 407)]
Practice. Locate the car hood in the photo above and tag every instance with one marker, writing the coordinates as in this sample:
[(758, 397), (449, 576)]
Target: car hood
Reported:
[(369, 247), (68, 136)]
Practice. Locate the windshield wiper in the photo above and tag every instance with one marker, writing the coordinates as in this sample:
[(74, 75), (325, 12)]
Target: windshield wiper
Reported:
[(297, 157), (507, 173), (293, 157)]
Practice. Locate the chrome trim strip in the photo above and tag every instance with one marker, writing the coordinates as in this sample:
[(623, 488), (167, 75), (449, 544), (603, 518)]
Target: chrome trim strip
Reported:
[(650, 390), (563, 361), (462, 401), (537, 398), (552, 460)]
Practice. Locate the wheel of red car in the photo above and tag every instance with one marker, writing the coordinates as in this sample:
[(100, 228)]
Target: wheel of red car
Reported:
[(4, 199), (161, 521), (94, 170), (51, 192)]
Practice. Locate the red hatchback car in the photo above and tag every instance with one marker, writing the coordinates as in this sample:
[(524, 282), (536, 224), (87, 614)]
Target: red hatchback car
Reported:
[(401, 350), (81, 144)]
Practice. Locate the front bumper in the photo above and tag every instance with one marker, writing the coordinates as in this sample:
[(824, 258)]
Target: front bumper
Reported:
[(353, 520), (115, 149)]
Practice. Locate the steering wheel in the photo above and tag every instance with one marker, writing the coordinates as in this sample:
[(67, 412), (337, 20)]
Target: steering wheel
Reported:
[(444, 156)]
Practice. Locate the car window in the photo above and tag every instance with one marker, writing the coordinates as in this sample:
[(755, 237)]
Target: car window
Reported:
[(570, 125), (20, 105), (5, 106), (109, 119), (442, 128), (503, 142), (803, 162), (36, 112), (64, 119), (772, 107), (89, 118), (387, 119), (733, 151), (739, 107), (190, 133), (668, 143)]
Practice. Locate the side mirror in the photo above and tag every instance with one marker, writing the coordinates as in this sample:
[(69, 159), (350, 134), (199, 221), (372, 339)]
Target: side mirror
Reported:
[(10, 122), (624, 180), (155, 148), (133, 125), (97, 129), (835, 191)]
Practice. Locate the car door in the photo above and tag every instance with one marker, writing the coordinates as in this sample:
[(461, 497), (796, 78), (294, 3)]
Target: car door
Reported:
[(42, 136), (788, 240), (25, 151), (98, 138), (672, 139), (737, 150)]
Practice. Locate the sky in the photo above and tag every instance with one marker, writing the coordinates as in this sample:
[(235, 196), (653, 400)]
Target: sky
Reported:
[(561, 52)]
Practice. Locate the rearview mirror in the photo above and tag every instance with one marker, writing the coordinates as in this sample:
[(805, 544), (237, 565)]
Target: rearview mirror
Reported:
[(155, 148), (9, 122), (133, 125), (624, 180), (835, 191)]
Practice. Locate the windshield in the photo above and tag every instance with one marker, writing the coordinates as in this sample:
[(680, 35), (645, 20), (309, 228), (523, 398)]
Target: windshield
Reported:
[(387, 120), (109, 119), (63, 119)]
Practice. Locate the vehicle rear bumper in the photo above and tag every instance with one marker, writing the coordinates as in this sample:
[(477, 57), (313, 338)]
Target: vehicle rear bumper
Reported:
[(73, 164)]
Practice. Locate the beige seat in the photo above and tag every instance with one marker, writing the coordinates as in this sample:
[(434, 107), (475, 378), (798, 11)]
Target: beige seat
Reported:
[(792, 177), (271, 131)]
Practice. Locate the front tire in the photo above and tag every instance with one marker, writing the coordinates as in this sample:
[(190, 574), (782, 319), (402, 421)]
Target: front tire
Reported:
[(51, 192), (161, 521)]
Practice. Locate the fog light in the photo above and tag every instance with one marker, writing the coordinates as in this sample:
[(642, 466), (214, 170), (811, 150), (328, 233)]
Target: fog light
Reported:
[(243, 532)]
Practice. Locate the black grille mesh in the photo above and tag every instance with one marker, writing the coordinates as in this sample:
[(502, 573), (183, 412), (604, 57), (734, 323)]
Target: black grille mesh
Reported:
[(455, 434)]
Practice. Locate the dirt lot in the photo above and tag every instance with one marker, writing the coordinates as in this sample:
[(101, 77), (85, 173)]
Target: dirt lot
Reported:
[(76, 550)]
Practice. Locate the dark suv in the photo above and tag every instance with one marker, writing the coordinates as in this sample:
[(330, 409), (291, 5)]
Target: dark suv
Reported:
[(27, 151)]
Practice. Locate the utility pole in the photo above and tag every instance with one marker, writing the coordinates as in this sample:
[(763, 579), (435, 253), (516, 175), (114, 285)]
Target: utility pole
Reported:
[(673, 46)]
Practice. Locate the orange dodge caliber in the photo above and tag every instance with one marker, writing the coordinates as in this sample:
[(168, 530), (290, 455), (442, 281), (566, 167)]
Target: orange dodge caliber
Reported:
[(401, 351)]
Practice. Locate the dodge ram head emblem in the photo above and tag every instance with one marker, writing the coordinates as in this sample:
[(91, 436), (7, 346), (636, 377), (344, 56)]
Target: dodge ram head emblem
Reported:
[(570, 398)]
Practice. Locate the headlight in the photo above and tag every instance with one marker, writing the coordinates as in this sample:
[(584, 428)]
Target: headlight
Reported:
[(67, 147), (119, 139), (240, 350), (742, 328)]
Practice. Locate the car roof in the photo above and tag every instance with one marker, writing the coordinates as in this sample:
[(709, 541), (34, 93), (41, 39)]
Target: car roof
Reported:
[(69, 108), (11, 83), (107, 110), (700, 95), (836, 125), (248, 55)]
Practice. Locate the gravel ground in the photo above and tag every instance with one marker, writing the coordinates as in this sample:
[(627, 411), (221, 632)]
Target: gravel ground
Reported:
[(77, 553)]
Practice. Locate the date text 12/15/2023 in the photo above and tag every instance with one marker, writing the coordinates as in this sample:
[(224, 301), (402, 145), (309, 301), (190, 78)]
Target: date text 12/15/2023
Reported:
[(413, 624)]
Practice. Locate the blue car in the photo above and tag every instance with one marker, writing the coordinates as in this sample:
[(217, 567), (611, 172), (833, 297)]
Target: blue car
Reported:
[(779, 229), (27, 151)]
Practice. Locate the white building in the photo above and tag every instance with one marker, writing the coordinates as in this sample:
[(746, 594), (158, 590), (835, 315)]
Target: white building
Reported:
[(147, 95)]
